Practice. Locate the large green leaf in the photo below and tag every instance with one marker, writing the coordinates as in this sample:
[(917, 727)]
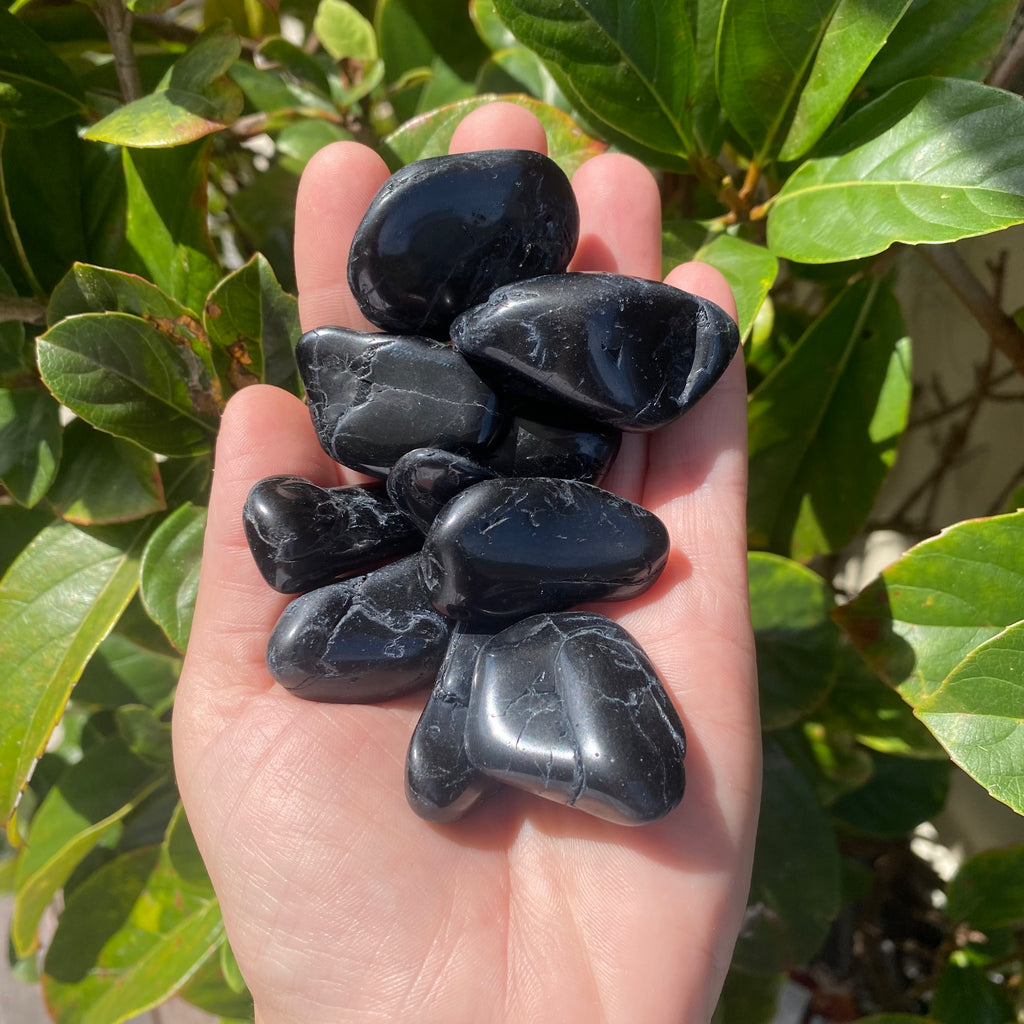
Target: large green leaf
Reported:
[(124, 671), (36, 86), (825, 424), (857, 31), (253, 325), (629, 66), (977, 714), (795, 638), (947, 163), (344, 32), (943, 598), (988, 890), (170, 572), (125, 376), (264, 213), (30, 442), (429, 135), (795, 888), (58, 600)]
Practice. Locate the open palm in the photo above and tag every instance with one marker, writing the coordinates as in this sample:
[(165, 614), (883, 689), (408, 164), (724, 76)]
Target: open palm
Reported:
[(341, 904)]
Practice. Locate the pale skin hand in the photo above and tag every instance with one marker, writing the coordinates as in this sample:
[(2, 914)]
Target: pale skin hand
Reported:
[(343, 906)]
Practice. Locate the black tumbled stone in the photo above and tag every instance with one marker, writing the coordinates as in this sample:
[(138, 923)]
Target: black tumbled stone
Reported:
[(362, 640), (424, 480), (504, 549), (442, 233), (440, 783), (569, 707), (302, 536), (374, 397), (625, 351)]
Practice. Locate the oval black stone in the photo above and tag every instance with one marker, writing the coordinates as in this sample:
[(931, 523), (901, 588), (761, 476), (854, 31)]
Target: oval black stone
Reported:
[(424, 480), (621, 350), (374, 397), (444, 232), (504, 549), (569, 707), (302, 536), (362, 640)]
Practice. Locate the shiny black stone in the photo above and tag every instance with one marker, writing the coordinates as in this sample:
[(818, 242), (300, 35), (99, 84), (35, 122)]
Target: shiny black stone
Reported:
[(440, 783), (569, 707), (621, 350), (504, 549), (374, 397), (302, 536), (424, 480), (444, 232), (362, 640)]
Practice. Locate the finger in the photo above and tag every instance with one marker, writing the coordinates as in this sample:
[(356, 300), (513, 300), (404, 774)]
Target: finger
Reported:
[(499, 126), (335, 189)]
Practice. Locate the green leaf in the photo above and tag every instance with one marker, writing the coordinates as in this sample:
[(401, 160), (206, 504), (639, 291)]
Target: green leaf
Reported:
[(266, 90), (18, 526), (857, 31), (30, 443), (264, 213), (963, 993), (518, 70), (795, 888), (299, 141), (489, 27), (430, 134), (36, 86), (182, 855), (58, 600), (125, 376), (895, 1018), (977, 714), (947, 164), (628, 66), (943, 598), (209, 989), (344, 32), (708, 118), (831, 760), (88, 801), (123, 671), (824, 426), (166, 230), (103, 479), (988, 891), (958, 38), (146, 735), (170, 572), (796, 640), (296, 62), (748, 998), (253, 325)]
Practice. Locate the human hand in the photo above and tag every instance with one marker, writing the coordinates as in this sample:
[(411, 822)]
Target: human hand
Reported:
[(341, 905)]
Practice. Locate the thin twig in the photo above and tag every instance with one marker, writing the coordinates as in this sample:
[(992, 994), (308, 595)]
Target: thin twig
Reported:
[(1002, 77), (17, 307), (116, 20)]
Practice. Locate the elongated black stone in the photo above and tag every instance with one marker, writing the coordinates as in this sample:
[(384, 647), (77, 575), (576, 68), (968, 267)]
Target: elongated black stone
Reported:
[(362, 640), (621, 350), (302, 536), (442, 233), (374, 397), (569, 707), (440, 783), (504, 549), (424, 480)]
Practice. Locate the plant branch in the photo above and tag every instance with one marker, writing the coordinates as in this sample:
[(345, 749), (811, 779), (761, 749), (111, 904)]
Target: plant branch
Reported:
[(1001, 329), (18, 308), (1002, 77), (116, 20), (12, 228)]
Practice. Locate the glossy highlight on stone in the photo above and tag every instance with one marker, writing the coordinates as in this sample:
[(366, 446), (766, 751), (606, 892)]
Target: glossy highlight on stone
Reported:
[(504, 549), (374, 397), (440, 783), (625, 351), (363, 640), (569, 707), (424, 480), (444, 232), (302, 536)]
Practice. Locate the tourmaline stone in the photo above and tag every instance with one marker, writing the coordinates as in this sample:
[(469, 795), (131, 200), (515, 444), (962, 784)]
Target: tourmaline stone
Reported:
[(363, 640), (374, 397), (569, 707), (442, 233), (302, 536), (424, 480), (625, 351), (440, 783), (504, 549)]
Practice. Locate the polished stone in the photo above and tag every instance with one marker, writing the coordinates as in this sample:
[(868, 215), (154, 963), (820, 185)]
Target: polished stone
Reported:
[(302, 536), (444, 232), (362, 640), (504, 549), (424, 480), (621, 350), (569, 707), (374, 397), (440, 783)]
